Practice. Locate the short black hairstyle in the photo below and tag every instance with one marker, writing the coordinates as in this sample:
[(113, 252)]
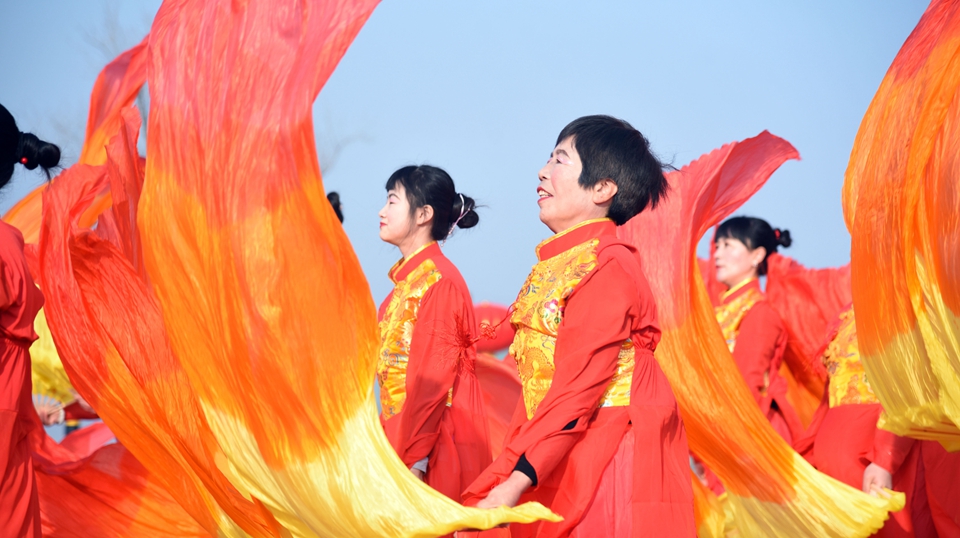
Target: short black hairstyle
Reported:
[(754, 233), (23, 148), (427, 185), (611, 148)]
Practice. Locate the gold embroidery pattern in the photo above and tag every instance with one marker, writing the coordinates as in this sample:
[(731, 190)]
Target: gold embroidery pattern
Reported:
[(537, 314), (396, 332), (848, 380), (730, 315)]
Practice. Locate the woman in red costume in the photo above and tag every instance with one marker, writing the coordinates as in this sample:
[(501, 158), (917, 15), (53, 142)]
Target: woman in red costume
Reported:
[(597, 437), (754, 332), (844, 442), (432, 411), (20, 300)]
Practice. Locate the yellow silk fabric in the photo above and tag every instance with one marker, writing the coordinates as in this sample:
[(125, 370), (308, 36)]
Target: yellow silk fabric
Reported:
[(901, 194), (538, 312), (771, 490), (729, 315), (396, 333), (707, 512), (49, 377), (848, 380)]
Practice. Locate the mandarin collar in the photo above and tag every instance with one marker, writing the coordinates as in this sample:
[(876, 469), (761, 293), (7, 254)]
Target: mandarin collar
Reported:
[(738, 290), (402, 268), (574, 236)]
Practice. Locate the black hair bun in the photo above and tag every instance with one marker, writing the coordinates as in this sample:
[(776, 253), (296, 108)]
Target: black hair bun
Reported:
[(334, 200), (783, 237), (464, 211), (35, 152)]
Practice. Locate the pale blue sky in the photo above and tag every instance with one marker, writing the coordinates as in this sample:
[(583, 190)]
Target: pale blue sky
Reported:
[(482, 89)]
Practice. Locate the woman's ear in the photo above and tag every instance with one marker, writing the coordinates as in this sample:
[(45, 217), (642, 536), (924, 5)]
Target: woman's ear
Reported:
[(604, 191), (757, 256), (424, 215)]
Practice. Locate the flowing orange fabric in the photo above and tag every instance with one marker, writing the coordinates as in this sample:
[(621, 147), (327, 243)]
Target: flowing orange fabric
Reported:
[(108, 329), (86, 490), (771, 490), (93, 498), (709, 272), (237, 364), (900, 199), (807, 300), (116, 88)]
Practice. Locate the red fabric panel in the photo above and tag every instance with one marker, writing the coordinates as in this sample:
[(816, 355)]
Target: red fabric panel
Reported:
[(844, 446), (942, 473), (500, 388), (442, 355)]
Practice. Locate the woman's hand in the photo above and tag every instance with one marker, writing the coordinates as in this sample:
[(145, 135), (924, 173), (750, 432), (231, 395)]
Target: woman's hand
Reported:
[(508, 493), (49, 410), (875, 478), (417, 473)]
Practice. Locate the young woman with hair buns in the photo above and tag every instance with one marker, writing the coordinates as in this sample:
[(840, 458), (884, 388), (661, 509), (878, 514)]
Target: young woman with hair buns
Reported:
[(754, 332), (20, 300), (428, 390)]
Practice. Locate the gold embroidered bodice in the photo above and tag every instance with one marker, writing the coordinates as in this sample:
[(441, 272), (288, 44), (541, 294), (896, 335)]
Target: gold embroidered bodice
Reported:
[(729, 315), (396, 332), (537, 314), (848, 379)]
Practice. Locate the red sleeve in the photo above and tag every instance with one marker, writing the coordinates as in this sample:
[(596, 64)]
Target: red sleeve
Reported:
[(597, 320), (757, 342), (75, 412), (889, 450), (9, 279), (434, 353), (804, 444)]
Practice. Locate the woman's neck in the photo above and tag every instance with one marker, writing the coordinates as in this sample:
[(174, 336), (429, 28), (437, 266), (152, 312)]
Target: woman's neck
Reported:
[(413, 243)]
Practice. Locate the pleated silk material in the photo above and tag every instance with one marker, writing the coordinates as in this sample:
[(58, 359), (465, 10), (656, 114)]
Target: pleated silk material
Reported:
[(900, 201), (115, 88), (807, 300), (771, 490), (218, 319)]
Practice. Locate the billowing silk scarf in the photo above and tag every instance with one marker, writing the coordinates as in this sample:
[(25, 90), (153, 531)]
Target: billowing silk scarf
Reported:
[(771, 490), (901, 200), (217, 318)]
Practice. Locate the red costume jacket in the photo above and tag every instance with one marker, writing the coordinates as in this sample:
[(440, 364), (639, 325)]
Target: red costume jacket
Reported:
[(430, 397), (20, 300), (586, 331)]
